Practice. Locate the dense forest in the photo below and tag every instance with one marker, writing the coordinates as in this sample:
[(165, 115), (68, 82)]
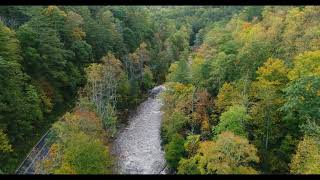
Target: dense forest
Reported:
[(247, 99), (242, 85)]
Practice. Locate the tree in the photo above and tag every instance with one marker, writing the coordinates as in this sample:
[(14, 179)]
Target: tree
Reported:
[(179, 43), (101, 88), (305, 65), (13, 16), (174, 151), (137, 23), (46, 58), (73, 26), (11, 50), (172, 125), (302, 92), (196, 70), (83, 53), (189, 166), (191, 144), (147, 78), (258, 62), (222, 66), (79, 155), (77, 144), (228, 95), (229, 154), (4, 143), (267, 96), (20, 104), (103, 32), (110, 121), (299, 40), (233, 120), (179, 72), (138, 59), (85, 156), (202, 107), (178, 96), (311, 129), (302, 97), (256, 48), (306, 159)]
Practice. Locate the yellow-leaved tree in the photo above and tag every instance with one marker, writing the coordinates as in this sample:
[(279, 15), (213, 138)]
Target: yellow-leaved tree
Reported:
[(228, 154), (307, 157)]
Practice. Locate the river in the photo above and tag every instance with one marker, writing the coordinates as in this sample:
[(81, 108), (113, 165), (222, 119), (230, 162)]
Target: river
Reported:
[(137, 146)]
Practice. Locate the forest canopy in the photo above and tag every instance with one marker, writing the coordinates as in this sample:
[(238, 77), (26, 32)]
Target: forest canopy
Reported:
[(242, 85)]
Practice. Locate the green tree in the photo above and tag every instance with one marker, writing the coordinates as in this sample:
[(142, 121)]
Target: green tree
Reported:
[(147, 78), (172, 125), (45, 57), (179, 43), (179, 72), (221, 71), (19, 101), (302, 92), (174, 151), (233, 120), (189, 166), (191, 144), (85, 156), (110, 120)]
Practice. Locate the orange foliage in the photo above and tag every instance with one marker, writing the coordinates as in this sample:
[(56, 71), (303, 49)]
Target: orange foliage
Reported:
[(246, 25), (78, 34)]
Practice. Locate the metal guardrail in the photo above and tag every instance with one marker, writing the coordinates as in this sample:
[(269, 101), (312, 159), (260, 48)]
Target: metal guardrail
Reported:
[(163, 170), (38, 152)]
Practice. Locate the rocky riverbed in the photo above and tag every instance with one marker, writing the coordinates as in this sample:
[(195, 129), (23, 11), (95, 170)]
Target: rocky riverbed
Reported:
[(137, 146)]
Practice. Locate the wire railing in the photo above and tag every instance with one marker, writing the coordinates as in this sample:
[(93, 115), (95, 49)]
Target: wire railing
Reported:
[(38, 152)]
